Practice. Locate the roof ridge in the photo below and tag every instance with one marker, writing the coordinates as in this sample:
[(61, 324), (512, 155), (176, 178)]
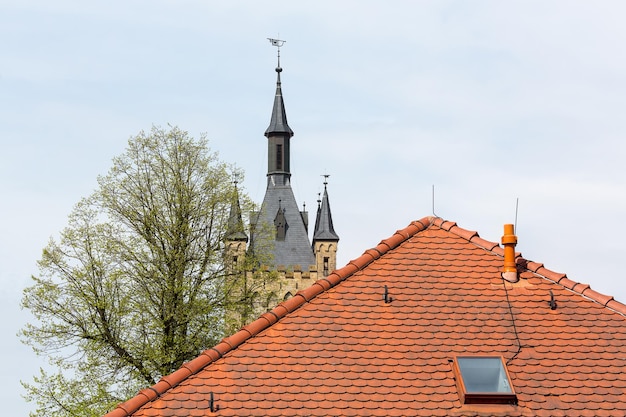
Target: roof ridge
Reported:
[(535, 267), (303, 296), (583, 289)]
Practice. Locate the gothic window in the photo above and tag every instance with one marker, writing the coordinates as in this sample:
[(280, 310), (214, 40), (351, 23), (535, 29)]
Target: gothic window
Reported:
[(326, 266), (279, 157)]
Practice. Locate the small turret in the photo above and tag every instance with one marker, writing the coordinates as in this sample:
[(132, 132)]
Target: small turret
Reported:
[(325, 239), (236, 238)]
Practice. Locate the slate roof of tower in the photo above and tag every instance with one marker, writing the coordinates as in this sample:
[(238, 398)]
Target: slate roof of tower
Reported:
[(295, 249), (324, 229), (336, 348)]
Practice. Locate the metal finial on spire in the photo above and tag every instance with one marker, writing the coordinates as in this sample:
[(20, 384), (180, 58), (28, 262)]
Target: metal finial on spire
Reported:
[(325, 179), (277, 43)]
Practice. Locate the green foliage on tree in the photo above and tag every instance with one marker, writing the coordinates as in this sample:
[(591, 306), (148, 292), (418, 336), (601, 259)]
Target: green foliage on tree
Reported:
[(136, 284), (253, 292), (254, 286)]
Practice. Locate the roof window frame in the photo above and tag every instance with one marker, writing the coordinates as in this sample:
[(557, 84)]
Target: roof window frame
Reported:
[(473, 396)]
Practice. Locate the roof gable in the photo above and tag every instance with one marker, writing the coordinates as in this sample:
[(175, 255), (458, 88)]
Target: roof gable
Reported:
[(338, 348)]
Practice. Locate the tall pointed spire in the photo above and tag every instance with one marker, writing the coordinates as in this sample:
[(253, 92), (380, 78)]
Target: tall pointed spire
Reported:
[(278, 121), (278, 135), (324, 229), (290, 245)]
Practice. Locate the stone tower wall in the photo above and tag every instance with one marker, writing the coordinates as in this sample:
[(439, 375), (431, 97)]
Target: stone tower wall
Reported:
[(325, 257)]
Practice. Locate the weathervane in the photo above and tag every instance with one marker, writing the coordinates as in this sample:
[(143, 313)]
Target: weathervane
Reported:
[(277, 43)]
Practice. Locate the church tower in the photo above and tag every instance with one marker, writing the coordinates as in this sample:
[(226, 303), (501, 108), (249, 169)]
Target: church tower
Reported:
[(325, 239), (280, 216), (278, 260)]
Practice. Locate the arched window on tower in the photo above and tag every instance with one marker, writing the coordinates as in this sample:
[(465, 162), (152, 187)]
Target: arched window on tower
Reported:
[(279, 157)]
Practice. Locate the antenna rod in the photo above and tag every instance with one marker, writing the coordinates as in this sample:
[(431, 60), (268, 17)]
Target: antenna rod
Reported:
[(516, 207), (433, 194)]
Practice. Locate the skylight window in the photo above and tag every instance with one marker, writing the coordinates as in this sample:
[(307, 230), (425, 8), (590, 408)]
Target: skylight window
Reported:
[(483, 380)]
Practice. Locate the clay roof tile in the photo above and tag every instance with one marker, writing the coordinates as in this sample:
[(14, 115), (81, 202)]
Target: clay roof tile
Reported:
[(477, 240), (596, 296), (348, 352), (618, 307)]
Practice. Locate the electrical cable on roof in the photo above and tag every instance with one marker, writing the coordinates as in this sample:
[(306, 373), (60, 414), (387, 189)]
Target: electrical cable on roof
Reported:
[(519, 344)]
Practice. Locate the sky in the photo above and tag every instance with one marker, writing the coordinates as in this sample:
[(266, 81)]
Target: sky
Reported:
[(470, 110)]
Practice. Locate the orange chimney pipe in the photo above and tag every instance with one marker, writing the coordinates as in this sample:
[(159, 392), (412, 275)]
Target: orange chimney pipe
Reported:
[(509, 240)]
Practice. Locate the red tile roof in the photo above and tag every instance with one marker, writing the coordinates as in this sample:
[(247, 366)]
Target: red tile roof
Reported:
[(336, 348)]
